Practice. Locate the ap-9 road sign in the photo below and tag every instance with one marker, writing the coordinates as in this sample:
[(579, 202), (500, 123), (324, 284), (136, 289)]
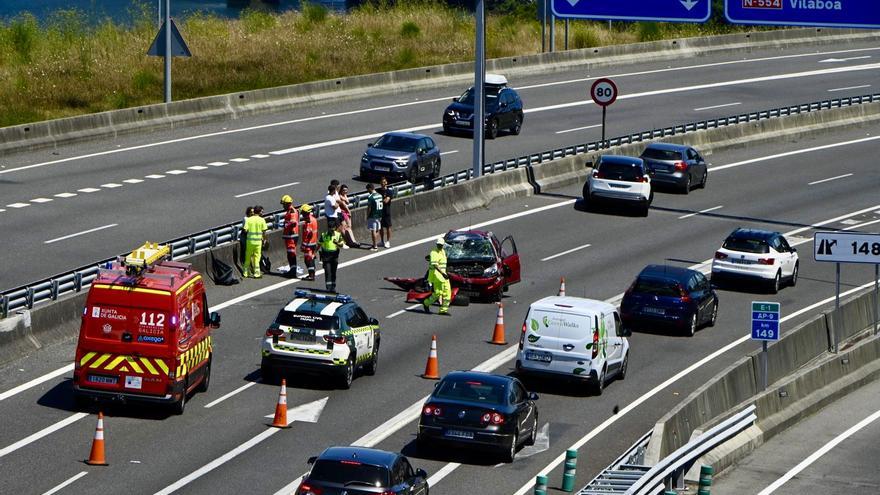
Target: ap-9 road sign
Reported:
[(635, 10), (830, 13)]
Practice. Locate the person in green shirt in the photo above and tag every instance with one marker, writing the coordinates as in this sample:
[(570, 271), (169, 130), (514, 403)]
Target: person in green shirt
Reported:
[(330, 242), (375, 204), (255, 236)]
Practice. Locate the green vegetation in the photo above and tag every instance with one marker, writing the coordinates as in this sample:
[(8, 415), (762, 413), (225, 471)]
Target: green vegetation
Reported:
[(65, 66)]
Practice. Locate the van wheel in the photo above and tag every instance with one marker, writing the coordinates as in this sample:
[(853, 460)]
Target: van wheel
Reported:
[(347, 375), (180, 406), (599, 387), (206, 380), (692, 326), (623, 366), (370, 368)]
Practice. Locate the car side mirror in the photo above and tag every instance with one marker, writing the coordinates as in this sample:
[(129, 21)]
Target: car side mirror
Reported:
[(369, 145), (214, 320), (374, 322), (533, 396), (421, 473), (793, 250), (312, 459), (455, 99)]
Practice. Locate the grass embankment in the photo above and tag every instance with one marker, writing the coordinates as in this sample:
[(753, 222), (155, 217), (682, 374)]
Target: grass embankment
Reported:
[(66, 67)]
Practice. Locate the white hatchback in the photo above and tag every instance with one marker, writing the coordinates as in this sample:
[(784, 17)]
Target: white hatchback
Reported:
[(758, 255), (620, 179)]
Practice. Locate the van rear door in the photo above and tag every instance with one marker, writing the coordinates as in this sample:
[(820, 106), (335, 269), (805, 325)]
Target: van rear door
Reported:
[(563, 335)]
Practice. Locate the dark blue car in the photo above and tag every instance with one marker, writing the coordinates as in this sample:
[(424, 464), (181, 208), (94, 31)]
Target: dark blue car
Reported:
[(670, 296), (676, 165), (362, 471), (503, 109)]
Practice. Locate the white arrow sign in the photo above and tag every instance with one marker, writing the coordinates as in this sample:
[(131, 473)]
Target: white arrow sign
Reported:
[(306, 413), (689, 4)]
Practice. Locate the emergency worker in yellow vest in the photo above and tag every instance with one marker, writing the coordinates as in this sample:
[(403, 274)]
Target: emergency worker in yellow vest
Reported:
[(255, 236), (438, 278), (330, 243)]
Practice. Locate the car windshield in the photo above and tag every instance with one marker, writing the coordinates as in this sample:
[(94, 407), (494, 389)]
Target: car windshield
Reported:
[(306, 320), (620, 171), (349, 472), (397, 143), (746, 245), (471, 390), (491, 95), (656, 287), (656, 154), (469, 247)]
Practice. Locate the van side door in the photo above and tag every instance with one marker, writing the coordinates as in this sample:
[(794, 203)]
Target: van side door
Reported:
[(613, 343)]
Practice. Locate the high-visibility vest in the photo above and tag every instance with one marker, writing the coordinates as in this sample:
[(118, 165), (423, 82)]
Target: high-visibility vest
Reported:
[(329, 240), (437, 261), (291, 224), (255, 225), (310, 232)]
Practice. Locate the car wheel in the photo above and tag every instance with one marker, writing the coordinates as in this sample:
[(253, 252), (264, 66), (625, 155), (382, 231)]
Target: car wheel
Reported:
[(413, 175), (599, 387), (206, 380), (347, 375), (692, 326), (686, 187), (446, 130), (435, 171), (510, 452), (492, 129), (714, 317), (180, 406), (534, 436), (777, 283), (704, 179), (373, 365), (517, 125), (623, 367), (794, 275)]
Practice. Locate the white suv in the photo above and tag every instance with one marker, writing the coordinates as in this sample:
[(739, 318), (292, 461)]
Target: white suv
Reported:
[(758, 255), (620, 179)]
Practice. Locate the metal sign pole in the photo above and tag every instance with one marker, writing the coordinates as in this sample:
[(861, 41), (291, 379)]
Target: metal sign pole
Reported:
[(764, 365), (566, 33), (167, 51), (876, 296), (604, 110), (479, 89), (552, 32), (836, 309), (544, 25)]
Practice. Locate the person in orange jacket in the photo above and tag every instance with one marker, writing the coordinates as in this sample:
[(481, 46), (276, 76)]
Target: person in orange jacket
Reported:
[(309, 246), (290, 234)]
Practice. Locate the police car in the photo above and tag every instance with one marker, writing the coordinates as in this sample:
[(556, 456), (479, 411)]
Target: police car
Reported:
[(321, 333)]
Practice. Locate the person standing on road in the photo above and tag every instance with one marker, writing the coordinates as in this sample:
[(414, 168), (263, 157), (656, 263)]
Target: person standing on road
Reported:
[(331, 206), (290, 234), (345, 219), (309, 239), (242, 235), (374, 214), (387, 193), (255, 227), (438, 278), (331, 242)]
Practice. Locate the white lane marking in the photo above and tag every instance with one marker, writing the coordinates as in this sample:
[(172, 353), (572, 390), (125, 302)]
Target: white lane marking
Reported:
[(849, 88), (448, 152), (819, 453), (207, 468), (260, 155), (230, 394), (111, 185), (155, 176), (81, 233), (717, 106), (2, 210), (792, 153), (217, 164), (432, 100), (442, 473), (681, 374), (73, 418), (18, 205), (197, 167), (548, 258), (41, 200), (66, 483), (267, 189), (240, 160), (176, 172), (402, 311), (579, 128), (65, 195), (833, 60), (352, 139), (700, 212), (828, 179), (88, 190), (36, 381), (133, 181)]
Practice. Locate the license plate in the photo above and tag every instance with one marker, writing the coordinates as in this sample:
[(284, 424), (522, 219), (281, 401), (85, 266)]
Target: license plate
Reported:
[(655, 311), (382, 168), (134, 382), (619, 186), (468, 435), (542, 357), (106, 380), (465, 123), (739, 261), (302, 338)]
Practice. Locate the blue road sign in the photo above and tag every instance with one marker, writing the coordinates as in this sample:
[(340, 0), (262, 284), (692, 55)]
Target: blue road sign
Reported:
[(178, 46), (765, 320), (635, 10), (829, 13)]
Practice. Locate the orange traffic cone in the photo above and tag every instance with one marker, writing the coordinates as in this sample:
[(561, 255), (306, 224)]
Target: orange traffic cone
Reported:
[(96, 456), (562, 287), (432, 371), (498, 334), (280, 420)]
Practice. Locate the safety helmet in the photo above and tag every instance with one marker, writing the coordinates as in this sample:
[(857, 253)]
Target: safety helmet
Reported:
[(286, 199), (306, 208), (441, 241)]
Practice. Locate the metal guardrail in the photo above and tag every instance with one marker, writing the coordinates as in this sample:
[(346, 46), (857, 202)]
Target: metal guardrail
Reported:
[(672, 469), (51, 288), (622, 473)]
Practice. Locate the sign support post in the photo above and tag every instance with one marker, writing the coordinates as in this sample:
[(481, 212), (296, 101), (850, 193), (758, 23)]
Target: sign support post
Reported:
[(764, 365), (876, 296), (168, 43), (167, 51), (479, 89), (604, 93), (836, 307), (765, 327)]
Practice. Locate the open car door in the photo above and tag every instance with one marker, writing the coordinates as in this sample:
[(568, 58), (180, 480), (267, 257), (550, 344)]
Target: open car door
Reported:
[(510, 260)]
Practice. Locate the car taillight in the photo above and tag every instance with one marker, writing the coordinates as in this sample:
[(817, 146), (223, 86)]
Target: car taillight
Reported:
[(432, 410), (595, 343), (685, 297), (306, 489), (335, 339), (642, 178), (522, 336), (680, 166), (720, 256), (766, 261), (274, 332), (492, 418)]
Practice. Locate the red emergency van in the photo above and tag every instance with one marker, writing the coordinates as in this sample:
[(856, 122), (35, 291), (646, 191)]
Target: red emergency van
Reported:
[(146, 332)]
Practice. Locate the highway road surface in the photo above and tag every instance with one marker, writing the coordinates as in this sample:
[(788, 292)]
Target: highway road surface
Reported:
[(222, 445), (80, 203)]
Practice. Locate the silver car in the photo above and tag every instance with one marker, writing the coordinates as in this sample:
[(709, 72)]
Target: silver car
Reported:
[(401, 155)]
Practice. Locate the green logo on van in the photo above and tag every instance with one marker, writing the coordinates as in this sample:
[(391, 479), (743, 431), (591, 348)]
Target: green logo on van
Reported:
[(534, 338), (534, 324), (546, 321), (578, 371)]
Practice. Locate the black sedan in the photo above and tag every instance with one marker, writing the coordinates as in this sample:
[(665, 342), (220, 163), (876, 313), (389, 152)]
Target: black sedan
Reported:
[(362, 471), (481, 410)]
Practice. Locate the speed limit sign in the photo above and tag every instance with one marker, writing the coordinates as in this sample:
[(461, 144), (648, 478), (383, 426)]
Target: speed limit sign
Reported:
[(604, 92)]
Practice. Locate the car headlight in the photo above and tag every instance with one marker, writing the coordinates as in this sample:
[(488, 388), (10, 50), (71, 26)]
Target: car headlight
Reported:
[(451, 113), (401, 162), (491, 271), (365, 158)]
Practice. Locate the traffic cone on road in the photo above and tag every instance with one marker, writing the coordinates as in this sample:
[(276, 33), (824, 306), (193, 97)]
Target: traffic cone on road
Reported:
[(280, 420), (432, 369), (498, 334), (561, 287), (96, 456)]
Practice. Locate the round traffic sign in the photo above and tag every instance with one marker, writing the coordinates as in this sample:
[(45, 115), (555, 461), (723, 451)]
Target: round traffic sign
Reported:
[(604, 92)]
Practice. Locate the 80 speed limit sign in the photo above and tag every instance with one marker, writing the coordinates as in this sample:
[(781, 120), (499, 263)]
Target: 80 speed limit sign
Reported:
[(604, 92)]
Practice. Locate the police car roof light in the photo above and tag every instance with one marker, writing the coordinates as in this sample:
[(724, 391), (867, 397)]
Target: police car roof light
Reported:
[(322, 295)]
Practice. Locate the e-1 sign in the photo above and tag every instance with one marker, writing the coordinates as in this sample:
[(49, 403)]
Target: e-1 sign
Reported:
[(846, 247), (765, 320)]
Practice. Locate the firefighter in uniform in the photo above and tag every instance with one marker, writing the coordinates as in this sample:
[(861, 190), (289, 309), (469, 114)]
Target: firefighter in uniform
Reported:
[(438, 278), (290, 234), (309, 239), (331, 241), (255, 228)]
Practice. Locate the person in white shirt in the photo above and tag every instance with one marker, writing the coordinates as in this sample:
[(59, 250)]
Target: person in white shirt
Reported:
[(331, 206)]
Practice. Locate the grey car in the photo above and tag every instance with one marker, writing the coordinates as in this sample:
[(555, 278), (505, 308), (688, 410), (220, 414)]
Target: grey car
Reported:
[(401, 155), (675, 165)]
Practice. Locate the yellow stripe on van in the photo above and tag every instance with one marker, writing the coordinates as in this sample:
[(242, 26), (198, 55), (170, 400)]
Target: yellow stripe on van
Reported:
[(132, 289), (114, 363), (149, 366), (162, 365), (85, 359), (134, 365), (100, 360), (186, 286)]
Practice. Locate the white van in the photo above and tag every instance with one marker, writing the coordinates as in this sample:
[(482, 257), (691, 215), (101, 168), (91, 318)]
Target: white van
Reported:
[(572, 337)]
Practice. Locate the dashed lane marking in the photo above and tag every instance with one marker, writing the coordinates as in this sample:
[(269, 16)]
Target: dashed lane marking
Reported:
[(18, 205), (829, 179), (557, 255), (155, 176), (66, 483), (849, 88), (448, 152), (230, 394), (133, 181), (240, 160), (217, 164), (402, 311), (73, 418), (41, 200), (84, 232), (579, 129), (265, 190), (111, 185), (197, 167), (707, 210), (88, 190), (65, 195), (717, 106), (176, 172), (260, 155)]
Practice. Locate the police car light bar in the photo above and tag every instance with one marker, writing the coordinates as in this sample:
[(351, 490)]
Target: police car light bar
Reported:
[(320, 295)]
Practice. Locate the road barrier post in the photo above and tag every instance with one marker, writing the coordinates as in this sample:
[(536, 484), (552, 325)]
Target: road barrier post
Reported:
[(705, 484), (541, 485), (570, 473)]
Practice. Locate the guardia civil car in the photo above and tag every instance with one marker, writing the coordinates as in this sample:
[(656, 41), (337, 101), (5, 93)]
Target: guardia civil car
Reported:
[(321, 333)]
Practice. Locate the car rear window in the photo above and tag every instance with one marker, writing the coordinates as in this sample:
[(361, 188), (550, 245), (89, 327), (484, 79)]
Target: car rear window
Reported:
[(349, 472), (656, 154), (470, 390), (620, 171), (746, 245), (656, 287), (306, 320)]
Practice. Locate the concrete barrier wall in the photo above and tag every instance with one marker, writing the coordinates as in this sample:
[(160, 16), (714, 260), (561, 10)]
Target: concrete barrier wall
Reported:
[(235, 105)]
